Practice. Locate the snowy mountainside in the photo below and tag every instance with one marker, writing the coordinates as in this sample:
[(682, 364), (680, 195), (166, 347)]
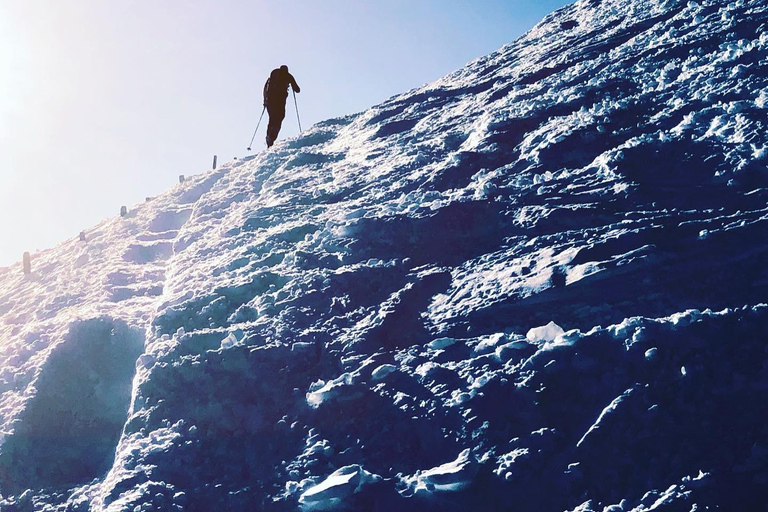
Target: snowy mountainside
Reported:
[(536, 284)]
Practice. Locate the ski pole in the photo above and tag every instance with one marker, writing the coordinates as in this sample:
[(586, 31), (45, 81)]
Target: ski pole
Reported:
[(257, 127), (297, 108)]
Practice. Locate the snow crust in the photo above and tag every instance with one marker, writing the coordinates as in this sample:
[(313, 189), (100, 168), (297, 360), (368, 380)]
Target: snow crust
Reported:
[(536, 284)]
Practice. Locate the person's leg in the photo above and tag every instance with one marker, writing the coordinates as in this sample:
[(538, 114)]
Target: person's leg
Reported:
[(276, 116)]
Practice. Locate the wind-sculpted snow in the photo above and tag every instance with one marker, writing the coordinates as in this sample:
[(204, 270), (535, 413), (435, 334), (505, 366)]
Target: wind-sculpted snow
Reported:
[(537, 284)]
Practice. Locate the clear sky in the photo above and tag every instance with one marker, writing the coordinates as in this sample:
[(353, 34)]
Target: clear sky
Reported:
[(103, 103)]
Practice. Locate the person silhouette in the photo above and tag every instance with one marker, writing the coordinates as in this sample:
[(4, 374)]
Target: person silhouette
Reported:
[(275, 94)]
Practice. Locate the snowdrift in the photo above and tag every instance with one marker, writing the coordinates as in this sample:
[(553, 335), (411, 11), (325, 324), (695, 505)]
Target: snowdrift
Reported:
[(537, 284)]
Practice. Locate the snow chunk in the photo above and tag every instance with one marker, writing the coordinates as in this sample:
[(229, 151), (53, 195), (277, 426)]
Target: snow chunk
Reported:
[(545, 334), (488, 343), (339, 485), (382, 371), (448, 477), (230, 341), (322, 391), (441, 343)]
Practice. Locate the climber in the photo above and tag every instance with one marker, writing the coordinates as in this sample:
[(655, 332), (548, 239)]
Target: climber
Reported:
[(275, 94)]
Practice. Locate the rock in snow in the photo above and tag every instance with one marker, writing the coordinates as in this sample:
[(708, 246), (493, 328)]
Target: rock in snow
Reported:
[(353, 319)]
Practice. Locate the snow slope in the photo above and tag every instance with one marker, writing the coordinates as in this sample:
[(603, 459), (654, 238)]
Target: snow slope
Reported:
[(537, 284)]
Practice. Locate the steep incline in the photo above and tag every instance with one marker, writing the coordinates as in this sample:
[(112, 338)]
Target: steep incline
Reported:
[(537, 284), (71, 333)]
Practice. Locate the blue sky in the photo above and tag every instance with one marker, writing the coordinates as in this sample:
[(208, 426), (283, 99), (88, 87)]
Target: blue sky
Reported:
[(105, 103)]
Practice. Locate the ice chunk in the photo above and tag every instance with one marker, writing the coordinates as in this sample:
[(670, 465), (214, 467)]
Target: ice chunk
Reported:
[(321, 391), (451, 476), (230, 341), (489, 343), (339, 485), (382, 371), (441, 343), (545, 333)]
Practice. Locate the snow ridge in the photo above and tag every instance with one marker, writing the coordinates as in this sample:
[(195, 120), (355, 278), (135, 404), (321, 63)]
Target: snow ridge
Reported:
[(535, 284)]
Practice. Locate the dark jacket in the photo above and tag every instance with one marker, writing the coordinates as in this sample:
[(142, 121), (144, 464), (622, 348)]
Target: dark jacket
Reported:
[(276, 88)]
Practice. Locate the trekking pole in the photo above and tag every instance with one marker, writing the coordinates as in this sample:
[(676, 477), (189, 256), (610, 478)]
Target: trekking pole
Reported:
[(257, 127), (297, 108)]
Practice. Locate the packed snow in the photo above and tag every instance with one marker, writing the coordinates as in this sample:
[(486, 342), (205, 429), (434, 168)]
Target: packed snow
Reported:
[(537, 284)]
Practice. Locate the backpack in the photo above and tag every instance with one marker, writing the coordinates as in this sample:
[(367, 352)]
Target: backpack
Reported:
[(266, 92), (276, 88)]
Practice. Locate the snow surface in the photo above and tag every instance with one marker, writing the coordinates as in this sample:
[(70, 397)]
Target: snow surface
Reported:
[(537, 284)]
